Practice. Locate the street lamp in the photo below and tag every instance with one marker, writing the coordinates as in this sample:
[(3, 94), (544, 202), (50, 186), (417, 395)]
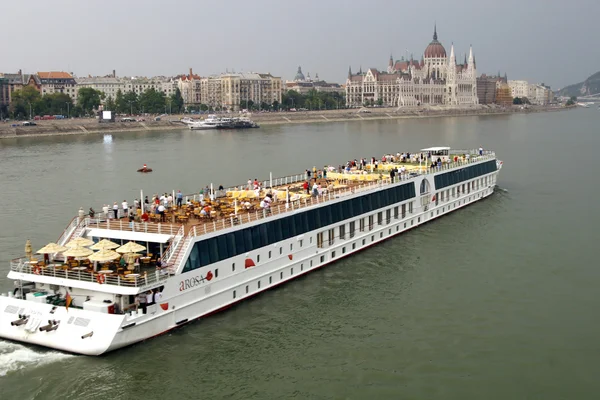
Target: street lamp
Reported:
[(68, 109)]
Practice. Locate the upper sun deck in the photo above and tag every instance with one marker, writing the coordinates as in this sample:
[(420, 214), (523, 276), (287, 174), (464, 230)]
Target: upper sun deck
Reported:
[(233, 207)]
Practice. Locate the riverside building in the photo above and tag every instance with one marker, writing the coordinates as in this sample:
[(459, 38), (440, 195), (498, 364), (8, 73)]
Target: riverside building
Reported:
[(435, 80)]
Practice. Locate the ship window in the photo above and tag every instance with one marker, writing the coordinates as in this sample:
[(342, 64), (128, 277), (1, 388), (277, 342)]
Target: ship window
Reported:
[(342, 232), (291, 271), (300, 242), (353, 246), (247, 289), (258, 258), (281, 275), (320, 239), (362, 224), (259, 284), (233, 267), (418, 219), (310, 239), (380, 218), (216, 272), (380, 234), (364, 242), (322, 259), (234, 294), (331, 236), (397, 228), (396, 212), (311, 263), (372, 238), (343, 250), (405, 225), (388, 216), (410, 207), (269, 253), (291, 246), (333, 254), (301, 267), (371, 222), (270, 280), (352, 228), (280, 250)]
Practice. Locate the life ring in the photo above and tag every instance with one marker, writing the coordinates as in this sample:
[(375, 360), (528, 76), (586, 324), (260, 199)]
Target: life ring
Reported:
[(36, 270), (100, 279)]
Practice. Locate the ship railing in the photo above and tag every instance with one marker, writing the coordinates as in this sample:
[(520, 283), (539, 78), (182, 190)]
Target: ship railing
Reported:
[(125, 225), (71, 227), (22, 265), (292, 206), (172, 248)]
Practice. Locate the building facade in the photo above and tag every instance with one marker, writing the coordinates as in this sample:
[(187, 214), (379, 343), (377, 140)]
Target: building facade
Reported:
[(303, 85), (538, 94), (4, 93), (58, 82), (230, 91), (436, 80)]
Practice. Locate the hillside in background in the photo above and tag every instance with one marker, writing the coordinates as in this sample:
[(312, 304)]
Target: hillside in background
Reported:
[(588, 87)]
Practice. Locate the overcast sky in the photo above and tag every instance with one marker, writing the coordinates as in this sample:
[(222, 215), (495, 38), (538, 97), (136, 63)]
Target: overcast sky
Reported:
[(550, 41)]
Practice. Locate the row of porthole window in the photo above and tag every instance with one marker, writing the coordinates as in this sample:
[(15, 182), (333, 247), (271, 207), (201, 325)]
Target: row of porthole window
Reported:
[(301, 242)]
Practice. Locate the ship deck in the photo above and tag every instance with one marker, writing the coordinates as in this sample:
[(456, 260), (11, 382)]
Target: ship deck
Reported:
[(235, 207)]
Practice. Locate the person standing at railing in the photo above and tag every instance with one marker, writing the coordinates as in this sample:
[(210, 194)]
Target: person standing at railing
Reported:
[(392, 174), (480, 150), (179, 198), (115, 210)]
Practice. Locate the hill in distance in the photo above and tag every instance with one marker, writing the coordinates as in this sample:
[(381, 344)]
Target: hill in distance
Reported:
[(588, 87)]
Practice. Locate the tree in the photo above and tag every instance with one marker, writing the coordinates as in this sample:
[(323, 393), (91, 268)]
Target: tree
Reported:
[(380, 102), (152, 101), (517, 100), (275, 105), (89, 99), (120, 105), (176, 102), (265, 106), (23, 102), (129, 103), (571, 101), (110, 104)]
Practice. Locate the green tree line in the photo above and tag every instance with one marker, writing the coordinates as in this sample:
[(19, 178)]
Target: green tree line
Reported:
[(28, 102)]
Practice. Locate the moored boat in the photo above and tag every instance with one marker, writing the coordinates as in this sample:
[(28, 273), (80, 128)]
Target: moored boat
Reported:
[(232, 249)]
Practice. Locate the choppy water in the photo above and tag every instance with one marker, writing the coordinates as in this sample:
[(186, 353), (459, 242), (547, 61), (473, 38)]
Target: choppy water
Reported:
[(496, 301)]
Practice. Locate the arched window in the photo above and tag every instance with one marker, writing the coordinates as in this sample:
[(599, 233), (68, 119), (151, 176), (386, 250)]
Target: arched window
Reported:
[(425, 187)]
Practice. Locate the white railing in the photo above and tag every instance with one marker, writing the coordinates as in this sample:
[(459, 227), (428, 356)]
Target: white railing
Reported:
[(172, 249), (65, 236), (22, 265)]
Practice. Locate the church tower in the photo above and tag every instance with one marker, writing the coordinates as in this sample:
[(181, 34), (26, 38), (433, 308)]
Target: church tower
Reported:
[(390, 68)]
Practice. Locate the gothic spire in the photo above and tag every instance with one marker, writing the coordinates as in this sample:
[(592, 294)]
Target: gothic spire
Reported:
[(350, 72), (435, 31)]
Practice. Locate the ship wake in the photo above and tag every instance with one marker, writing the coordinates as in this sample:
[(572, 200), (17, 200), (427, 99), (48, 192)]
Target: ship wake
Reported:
[(14, 357)]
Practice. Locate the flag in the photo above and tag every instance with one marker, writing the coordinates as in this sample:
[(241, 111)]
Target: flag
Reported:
[(68, 300), (164, 306), (249, 263)]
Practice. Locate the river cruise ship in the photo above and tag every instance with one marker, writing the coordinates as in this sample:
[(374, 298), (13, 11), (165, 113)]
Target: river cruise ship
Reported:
[(206, 254)]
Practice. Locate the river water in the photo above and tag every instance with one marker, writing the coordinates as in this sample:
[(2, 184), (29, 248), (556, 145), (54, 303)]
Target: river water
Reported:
[(496, 301)]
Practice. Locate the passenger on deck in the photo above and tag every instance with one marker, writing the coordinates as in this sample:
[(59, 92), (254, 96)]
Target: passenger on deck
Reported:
[(179, 198), (305, 187), (145, 217), (161, 211), (115, 210), (92, 212)]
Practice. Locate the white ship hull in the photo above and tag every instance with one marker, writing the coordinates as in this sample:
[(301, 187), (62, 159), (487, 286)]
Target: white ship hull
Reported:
[(194, 294)]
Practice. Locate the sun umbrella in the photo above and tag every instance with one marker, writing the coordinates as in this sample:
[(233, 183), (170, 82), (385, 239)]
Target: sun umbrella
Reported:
[(79, 242), (51, 248), (28, 249), (104, 244), (78, 251), (131, 247), (104, 255)]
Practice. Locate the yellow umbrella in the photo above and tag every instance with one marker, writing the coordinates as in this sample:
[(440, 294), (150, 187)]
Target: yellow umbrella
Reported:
[(104, 255), (104, 244), (78, 251), (79, 242), (51, 248), (131, 247)]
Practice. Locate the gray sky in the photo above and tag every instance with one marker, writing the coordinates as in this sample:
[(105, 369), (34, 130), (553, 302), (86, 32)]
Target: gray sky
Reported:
[(550, 41)]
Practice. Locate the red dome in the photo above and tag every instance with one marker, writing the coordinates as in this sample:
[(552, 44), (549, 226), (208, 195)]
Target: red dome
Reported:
[(435, 49)]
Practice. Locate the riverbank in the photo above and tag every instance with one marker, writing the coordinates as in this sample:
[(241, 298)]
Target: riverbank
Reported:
[(91, 126)]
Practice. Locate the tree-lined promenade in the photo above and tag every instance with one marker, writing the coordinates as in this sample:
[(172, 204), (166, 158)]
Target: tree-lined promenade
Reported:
[(28, 102)]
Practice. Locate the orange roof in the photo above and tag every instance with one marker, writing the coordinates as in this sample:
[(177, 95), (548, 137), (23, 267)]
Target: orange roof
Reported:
[(54, 75)]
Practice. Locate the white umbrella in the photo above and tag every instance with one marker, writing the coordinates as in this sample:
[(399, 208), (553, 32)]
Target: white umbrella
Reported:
[(77, 252), (104, 244), (51, 248), (131, 247), (104, 255), (79, 242)]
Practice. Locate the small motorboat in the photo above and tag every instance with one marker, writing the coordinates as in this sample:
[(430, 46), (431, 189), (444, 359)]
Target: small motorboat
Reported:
[(144, 169)]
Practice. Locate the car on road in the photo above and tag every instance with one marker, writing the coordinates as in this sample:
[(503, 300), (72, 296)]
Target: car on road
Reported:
[(29, 123)]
